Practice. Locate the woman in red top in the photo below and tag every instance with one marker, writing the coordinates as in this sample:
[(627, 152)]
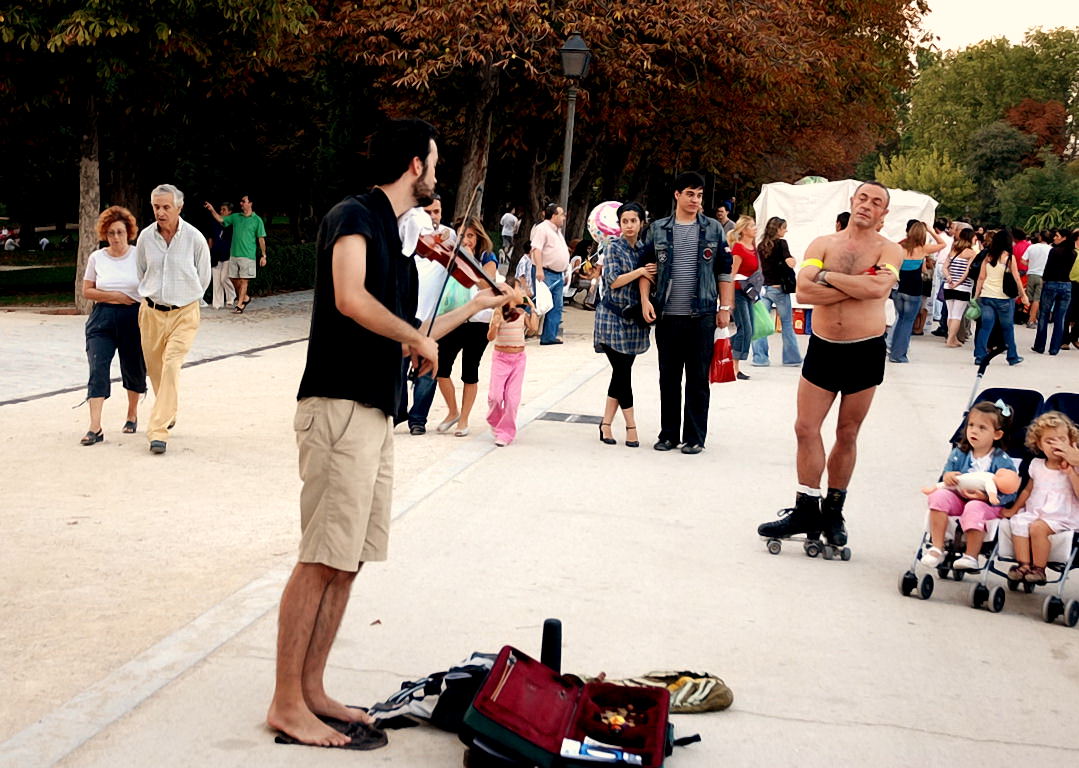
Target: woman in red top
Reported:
[(743, 240)]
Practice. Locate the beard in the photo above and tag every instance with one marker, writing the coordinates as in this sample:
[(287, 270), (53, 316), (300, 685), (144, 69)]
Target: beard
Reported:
[(423, 192)]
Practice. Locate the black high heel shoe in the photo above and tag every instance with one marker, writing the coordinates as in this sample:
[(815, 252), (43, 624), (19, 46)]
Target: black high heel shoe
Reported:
[(632, 443), (605, 440)]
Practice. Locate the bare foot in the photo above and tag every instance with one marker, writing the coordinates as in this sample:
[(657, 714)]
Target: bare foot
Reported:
[(302, 725), (326, 707)]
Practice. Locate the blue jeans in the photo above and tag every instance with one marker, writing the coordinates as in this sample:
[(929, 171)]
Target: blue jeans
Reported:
[(423, 394), (996, 311), (743, 319), (1056, 296), (774, 297), (552, 319), (906, 311)]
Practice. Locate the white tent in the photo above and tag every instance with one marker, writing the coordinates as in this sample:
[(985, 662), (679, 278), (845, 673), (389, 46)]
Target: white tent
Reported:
[(810, 210)]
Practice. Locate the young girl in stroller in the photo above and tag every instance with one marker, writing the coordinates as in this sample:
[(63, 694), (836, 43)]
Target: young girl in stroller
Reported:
[(978, 450), (1050, 501)]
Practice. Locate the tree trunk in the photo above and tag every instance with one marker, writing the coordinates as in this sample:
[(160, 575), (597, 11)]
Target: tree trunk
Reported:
[(89, 202), (477, 149)]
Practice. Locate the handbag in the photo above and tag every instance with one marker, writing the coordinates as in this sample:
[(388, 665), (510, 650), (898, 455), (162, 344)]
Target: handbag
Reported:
[(722, 368), (634, 313), (973, 311), (763, 325), (788, 282), (1011, 290)]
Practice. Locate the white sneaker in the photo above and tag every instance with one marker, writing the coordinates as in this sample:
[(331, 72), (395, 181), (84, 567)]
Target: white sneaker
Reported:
[(966, 563), (931, 557)]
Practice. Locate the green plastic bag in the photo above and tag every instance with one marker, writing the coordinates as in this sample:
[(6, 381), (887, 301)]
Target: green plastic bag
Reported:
[(974, 311), (454, 296), (763, 324)]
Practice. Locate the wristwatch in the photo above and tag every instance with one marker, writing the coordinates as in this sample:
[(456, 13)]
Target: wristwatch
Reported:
[(822, 278), (724, 309)]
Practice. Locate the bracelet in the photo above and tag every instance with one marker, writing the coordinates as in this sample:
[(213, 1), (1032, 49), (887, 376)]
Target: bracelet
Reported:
[(725, 309), (812, 263)]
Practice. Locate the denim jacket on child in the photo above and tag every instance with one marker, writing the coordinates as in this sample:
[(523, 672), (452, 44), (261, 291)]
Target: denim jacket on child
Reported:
[(960, 461)]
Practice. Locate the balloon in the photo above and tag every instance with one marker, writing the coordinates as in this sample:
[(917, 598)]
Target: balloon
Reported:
[(602, 222)]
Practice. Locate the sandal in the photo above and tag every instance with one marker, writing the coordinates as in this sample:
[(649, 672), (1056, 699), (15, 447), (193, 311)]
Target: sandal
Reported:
[(631, 443), (1019, 572), (605, 440), (130, 427), (1035, 575), (239, 310), (93, 438)]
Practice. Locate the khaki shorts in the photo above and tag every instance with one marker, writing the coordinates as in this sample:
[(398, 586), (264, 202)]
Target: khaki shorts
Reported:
[(241, 267), (346, 464), (1034, 288)]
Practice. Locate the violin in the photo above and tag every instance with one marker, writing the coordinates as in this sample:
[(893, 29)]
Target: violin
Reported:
[(461, 265)]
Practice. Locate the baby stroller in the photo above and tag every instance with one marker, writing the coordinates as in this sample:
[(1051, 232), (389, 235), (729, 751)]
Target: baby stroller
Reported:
[(1063, 553), (1025, 404)]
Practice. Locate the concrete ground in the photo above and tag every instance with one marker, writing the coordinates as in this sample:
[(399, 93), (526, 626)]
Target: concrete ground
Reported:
[(137, 620)]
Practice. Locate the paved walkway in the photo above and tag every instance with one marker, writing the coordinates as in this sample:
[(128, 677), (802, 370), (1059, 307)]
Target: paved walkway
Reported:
[(138, 616)]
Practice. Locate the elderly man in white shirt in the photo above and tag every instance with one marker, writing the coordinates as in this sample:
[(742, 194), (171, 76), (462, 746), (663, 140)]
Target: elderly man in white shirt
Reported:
[(173, 262)]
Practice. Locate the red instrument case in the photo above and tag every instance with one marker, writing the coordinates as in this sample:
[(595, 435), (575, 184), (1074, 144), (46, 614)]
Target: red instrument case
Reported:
[(530, 709)]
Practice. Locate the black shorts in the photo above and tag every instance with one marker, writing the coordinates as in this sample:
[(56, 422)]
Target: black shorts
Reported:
[(468, 340), (845, 368)]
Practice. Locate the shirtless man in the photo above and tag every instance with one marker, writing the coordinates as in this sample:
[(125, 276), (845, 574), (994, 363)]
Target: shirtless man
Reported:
[(846, 276)]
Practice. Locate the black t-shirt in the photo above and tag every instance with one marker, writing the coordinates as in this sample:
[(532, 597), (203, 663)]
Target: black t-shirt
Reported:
[(1058, 264), (344, 359), (775, 266)]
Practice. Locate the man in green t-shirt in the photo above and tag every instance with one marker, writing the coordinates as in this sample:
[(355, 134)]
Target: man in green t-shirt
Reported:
[(248, 230)]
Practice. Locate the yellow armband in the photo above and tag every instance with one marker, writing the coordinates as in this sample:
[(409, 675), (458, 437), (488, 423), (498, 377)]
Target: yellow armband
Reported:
[(893, 269), (812, 263)]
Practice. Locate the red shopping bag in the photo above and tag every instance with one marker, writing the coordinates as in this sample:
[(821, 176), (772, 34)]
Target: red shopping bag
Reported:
[(722, 368)]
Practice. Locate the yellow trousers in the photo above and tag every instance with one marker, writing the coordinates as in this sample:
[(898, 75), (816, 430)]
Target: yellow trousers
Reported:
[(166, 339)]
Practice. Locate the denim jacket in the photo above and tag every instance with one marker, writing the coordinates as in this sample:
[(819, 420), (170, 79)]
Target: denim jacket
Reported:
[(960, 461), (714, 261)]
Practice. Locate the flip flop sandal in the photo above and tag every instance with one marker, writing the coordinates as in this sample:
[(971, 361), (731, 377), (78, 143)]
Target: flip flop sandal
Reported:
[(361, 738), (130, 427), (93, 438)]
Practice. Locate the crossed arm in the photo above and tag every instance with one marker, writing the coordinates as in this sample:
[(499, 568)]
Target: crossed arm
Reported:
[(841, 286)]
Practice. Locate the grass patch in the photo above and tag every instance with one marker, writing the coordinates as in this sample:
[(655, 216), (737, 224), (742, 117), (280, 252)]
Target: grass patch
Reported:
[(57, 299), (43, 280), (38, 258)]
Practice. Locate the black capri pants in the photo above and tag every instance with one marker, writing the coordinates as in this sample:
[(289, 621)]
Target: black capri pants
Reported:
[(469, 340), (111, 328), (621, 387)]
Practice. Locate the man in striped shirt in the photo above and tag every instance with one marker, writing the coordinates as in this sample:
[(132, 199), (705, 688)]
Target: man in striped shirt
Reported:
[(693, 268)]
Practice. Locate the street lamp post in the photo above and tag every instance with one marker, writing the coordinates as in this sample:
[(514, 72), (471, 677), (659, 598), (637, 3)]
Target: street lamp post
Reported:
[(575, 60)]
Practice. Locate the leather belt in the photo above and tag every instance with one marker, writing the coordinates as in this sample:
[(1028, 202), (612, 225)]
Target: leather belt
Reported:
[(160, 307)]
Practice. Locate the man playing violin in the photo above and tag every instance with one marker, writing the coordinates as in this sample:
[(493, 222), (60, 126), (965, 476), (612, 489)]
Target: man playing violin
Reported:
[(362, 319)]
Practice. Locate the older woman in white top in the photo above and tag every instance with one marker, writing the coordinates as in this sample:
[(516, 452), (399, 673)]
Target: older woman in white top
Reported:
[(111, 279)]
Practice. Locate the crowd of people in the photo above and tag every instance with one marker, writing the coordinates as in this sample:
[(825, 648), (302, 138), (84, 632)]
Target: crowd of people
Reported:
[(399, 296)]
